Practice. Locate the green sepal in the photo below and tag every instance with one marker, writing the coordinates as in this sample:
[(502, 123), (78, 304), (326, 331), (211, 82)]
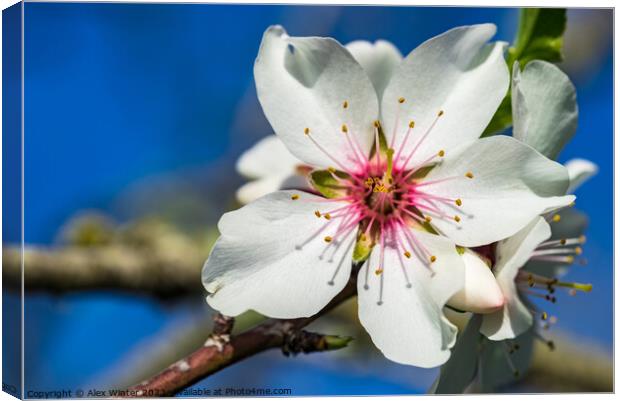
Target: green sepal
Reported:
[(326, 184), (429, 228), (422, 172), (336, 342), (363, 247)]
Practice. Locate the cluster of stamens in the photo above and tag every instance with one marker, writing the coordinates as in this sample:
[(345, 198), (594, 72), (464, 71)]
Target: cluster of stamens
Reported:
[(555, 252), (383, 196)]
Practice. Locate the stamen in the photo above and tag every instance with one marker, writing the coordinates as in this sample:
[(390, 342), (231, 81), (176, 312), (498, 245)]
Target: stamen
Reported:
[(327, 239), (377, 148), (294, 197), (382, 262), (563, 242), (437, 181), (417, 167), (417, 146), (380, 301), (515, 371), (322, 228), (360, 158), (441, 153), (407, 134), (402, 263), (390, 155), (433, 258), (549, 343), (556, 218), (344, 128), (340, 263), (457, 219), (560, 259), (317, 213), (458, 202), (345, 104), (555, 251), (401, 100), (326, 153), (469, 175), (576, 286), (327, 216), (407, 254)]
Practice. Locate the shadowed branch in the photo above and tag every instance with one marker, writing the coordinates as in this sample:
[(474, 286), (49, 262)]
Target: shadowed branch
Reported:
[(222, 350)]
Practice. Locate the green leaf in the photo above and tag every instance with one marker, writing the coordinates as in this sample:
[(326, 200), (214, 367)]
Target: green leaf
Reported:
[(502, 118), (324, 182), (540, 36)]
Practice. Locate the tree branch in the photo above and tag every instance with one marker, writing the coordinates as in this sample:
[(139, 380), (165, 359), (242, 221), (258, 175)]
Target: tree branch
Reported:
[(219, 353), (148, 256), (117, 267)]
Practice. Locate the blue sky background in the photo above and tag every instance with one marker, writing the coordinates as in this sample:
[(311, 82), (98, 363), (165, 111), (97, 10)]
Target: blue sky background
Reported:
[(120, 98)]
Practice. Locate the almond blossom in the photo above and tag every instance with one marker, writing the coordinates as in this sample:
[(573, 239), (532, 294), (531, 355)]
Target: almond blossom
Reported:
[(269, 163), (527, 267), (400, 178)]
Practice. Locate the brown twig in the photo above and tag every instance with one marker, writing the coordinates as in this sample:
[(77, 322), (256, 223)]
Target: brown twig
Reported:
[(114, 267), (273, 333)]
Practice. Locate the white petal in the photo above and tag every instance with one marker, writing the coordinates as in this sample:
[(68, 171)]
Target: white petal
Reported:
[(272, 258), (481, 293), (511, 184), (378, 59), (512, 254), (408, 324), (303, 83), (268, 157), (456, 72), (544, 107), (579, 171), (460, 370), (262, 186)]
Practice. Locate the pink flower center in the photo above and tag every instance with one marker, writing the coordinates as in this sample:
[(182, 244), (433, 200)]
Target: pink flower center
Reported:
[(386, 196)]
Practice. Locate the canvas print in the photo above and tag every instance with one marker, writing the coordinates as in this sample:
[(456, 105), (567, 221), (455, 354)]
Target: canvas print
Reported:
[(208, 200)]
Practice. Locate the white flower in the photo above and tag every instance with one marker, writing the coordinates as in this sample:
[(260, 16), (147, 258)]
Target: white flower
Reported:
[(272, 166), (288, 253), (544, 107), (529, 263), (545, 117)]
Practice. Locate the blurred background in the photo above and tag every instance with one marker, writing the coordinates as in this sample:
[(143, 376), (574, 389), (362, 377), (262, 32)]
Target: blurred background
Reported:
[(135, 117)]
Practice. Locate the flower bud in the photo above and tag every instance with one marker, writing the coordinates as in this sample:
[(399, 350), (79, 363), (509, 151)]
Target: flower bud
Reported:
[(481, 292)]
